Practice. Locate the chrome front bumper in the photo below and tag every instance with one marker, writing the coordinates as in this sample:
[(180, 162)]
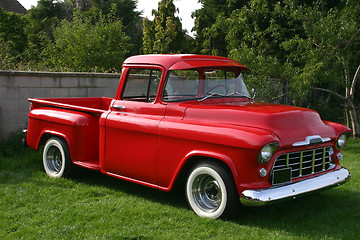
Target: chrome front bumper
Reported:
[(266, 196)]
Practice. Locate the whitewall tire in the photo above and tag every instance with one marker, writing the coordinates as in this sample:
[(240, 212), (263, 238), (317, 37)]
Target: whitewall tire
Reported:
[(210, 191), (56, 158)]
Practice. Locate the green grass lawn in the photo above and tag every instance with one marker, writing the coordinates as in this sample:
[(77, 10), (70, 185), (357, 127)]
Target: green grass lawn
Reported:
[(94, 206)]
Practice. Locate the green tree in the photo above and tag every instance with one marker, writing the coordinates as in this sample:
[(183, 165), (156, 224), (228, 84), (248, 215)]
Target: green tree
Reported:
[(148, 36), (82, 45), (165, 33), (40, 23), (43, 19), (125, 11), (210, 25), (255, 36), (303, 45), (332, 60), (12, 39)]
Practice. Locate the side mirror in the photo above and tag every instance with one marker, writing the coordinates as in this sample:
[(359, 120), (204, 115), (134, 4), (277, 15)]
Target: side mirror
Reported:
[(253, 93)]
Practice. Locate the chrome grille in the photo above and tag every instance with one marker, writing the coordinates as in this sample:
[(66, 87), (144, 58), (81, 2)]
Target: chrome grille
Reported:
[(305, 162)]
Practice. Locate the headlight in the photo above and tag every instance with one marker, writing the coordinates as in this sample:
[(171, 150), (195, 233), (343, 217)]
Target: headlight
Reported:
[(267, 152), (341, 141)]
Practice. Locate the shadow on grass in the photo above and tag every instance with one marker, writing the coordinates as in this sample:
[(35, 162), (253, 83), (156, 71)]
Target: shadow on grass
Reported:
[(176, 197)]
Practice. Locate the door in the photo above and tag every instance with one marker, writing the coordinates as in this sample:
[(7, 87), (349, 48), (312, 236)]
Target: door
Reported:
[(132, 127)]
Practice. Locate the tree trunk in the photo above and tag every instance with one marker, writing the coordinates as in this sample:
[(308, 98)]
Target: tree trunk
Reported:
[(350, 100), (347, 115), (354, 119)]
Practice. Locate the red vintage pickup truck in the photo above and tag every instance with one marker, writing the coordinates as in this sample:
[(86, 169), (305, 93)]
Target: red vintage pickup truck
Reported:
[(191, 117)]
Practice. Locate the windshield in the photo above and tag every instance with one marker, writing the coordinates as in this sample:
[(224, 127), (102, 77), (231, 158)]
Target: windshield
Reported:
[(191, 84)]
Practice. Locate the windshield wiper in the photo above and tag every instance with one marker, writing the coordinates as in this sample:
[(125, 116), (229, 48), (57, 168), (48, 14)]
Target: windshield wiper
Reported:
[(238, 95), (211, 94)]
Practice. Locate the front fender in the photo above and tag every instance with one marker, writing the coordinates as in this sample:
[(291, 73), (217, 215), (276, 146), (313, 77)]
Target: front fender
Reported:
[(235, 146)]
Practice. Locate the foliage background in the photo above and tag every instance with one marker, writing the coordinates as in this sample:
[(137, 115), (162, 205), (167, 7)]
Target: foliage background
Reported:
[(303, 53)]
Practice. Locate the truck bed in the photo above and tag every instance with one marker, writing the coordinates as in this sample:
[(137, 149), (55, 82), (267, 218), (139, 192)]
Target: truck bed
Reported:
[(86, 104), (74, 119)]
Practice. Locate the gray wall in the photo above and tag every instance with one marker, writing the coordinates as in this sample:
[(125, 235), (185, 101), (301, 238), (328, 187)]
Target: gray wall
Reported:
[(17, 87)]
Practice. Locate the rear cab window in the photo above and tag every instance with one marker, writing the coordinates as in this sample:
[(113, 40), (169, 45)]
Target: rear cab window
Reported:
[(141, 84)]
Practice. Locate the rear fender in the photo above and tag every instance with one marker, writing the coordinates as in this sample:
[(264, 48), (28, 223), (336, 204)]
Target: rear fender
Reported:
[(47, 134), (80, 130)]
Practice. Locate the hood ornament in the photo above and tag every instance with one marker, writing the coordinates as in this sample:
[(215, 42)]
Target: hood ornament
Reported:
[(311, 140)]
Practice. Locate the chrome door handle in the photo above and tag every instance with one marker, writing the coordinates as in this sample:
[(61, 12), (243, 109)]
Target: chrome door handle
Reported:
[(118, 107)]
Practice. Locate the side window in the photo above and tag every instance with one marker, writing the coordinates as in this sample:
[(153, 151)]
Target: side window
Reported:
[(142, 84)]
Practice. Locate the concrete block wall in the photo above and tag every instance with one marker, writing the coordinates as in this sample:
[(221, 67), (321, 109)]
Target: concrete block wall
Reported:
[(17, 87)]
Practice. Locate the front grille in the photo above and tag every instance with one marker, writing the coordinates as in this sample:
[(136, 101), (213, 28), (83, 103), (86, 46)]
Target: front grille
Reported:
[(305, 162)]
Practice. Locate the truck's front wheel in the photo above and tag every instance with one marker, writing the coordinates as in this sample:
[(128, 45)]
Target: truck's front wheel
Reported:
[(56, 158), (210, 191)]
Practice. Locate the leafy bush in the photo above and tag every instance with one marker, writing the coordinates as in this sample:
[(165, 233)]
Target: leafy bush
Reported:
[(88, 43), (12, 38)]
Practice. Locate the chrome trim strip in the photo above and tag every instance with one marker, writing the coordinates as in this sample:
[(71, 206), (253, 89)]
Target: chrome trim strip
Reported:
[(301, 163), (262, 197), (311, 140), (324, 155), (118, 107), (287, 160), (23, 140)]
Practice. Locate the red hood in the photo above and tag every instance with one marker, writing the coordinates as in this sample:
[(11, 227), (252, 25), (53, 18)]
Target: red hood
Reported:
[(290, 124)]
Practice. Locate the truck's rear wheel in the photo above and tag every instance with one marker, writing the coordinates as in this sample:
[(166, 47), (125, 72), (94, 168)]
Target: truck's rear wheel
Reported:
[(210, 191), (56, 158)]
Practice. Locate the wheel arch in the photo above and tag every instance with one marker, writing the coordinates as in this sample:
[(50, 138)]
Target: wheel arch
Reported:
[(196, 157), (47, 134)]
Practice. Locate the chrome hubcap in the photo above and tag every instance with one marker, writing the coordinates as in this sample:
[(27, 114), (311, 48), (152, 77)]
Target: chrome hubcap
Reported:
[(54, 159), (206, 192)]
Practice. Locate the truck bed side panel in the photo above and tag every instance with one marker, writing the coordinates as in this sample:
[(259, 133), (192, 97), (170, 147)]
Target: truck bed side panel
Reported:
[(79, 129)]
